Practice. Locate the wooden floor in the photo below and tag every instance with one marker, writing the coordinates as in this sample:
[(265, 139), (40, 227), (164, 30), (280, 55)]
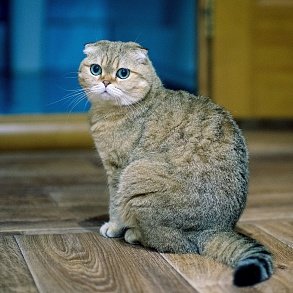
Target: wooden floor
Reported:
[(53, 202)]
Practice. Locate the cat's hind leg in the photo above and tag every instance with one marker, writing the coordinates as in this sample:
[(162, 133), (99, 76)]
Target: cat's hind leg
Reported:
[(132, 236), (141, 185), (147, 206)]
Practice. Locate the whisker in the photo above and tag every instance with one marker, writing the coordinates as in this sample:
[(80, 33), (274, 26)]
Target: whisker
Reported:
[(74, 97), (76, 102), (67, 97), (86, 104)]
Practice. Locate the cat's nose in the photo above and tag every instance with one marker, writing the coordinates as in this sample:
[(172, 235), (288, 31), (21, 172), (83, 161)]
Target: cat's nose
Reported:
[(106, 82)]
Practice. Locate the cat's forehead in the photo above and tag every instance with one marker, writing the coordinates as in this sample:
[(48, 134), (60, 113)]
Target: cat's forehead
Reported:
[(102, 46), (106, 53)]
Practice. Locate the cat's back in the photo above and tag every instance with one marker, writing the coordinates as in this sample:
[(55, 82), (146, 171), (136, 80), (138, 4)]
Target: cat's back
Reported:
[(179, 112), (187, 128)]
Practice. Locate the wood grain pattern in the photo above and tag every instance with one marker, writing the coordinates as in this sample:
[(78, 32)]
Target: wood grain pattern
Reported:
[(208, 276), (14, 274), (48, 194), (282, 280), (281, 230), (54, 203), (80, 195), (261, 144), (204, 274), (52, 226), (265, 197), (88, 263), (267, 213)]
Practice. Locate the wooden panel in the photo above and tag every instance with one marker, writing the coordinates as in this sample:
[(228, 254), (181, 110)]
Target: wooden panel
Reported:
[(272, 40), (89, 263), (44, 132), (231, 56), (253, 58), (204, 42), (14, 276)]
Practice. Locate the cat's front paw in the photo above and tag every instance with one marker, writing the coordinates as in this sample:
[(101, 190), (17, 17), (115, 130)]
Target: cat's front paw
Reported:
[(112, 230)]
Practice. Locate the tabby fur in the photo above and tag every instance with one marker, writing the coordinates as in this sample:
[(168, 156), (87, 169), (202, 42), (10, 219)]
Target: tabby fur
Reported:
[(177, 164)]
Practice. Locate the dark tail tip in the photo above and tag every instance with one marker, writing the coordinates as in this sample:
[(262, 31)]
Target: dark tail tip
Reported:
[(251, 271)]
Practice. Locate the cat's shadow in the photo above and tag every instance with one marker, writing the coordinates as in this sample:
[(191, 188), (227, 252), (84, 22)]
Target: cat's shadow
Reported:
[(94, 223)]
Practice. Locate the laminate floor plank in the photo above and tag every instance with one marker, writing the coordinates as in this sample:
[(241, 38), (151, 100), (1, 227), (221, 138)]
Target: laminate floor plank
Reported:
[(282, 280), (89, 263), (269, 199), (267, 213), (48, 180), (90, 156), (50, 195), (47, 167), (53, 203), (204, 274), (39, 214), (281, 230), (18, 219), (45, 171), (14, 273), (80, 195), (271, 174), (53, 227), (269, 143)]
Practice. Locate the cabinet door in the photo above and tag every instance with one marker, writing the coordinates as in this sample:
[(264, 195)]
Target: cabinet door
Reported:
[(252, 57)]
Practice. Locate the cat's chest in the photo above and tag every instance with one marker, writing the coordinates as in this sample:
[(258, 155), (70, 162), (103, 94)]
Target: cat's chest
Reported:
[(114, 141)]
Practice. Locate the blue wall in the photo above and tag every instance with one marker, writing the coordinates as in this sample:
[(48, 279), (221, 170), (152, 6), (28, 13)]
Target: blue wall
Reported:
[(46, 39)]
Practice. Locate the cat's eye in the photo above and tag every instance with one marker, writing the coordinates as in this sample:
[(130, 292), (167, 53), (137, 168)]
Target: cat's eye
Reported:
[(95, 69), (123, 73)]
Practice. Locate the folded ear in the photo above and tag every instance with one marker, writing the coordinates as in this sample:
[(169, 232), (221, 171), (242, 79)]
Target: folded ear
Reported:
[(89, 48), (141, 54)]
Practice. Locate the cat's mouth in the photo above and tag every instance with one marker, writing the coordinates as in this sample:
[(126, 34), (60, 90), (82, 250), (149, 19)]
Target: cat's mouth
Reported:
[(112, 94), (101, 91), (105, 93)]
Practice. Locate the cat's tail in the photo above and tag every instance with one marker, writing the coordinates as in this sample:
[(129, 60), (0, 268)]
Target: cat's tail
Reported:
[(251, 260)]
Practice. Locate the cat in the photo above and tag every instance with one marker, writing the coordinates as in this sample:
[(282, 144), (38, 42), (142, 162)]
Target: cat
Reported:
[(176, 163)]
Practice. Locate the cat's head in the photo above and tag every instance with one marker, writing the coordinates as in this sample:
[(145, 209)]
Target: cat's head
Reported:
[(119, 72)]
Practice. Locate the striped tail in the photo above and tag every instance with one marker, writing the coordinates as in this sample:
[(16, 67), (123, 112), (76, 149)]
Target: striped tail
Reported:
[(251, 260)]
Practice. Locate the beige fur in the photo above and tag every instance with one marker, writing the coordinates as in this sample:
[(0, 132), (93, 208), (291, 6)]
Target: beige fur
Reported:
[(177, 164)]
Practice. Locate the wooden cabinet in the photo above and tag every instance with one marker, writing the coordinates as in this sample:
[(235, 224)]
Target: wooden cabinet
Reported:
[(251, 57)]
